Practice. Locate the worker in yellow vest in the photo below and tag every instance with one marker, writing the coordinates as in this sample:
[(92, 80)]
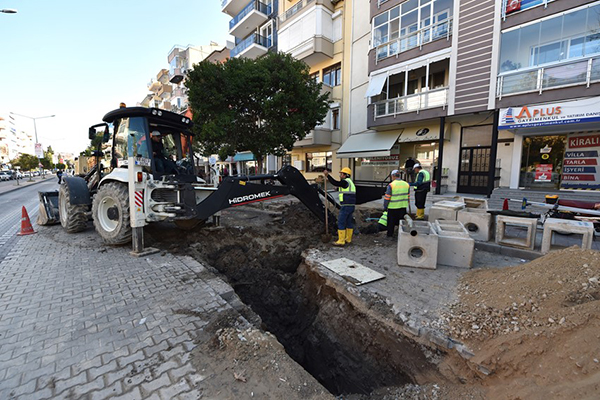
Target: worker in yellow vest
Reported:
[(395, 201), (422, 187), (347, 198)]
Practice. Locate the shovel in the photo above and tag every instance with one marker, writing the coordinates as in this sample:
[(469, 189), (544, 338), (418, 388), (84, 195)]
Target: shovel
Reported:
[(326, 237)]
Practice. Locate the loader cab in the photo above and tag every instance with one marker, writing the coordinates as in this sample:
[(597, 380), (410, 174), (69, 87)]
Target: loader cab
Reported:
[(132, 128)]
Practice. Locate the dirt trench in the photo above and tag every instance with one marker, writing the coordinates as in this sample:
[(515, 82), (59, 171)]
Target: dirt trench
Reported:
[(347, 350)]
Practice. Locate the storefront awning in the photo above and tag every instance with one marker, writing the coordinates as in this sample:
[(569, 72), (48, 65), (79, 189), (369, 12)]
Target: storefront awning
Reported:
[(376, 85), (370, 144), (420, 134), (241, 157)]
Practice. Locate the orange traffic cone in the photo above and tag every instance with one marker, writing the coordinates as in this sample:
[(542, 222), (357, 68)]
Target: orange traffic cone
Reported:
[(26, 228)]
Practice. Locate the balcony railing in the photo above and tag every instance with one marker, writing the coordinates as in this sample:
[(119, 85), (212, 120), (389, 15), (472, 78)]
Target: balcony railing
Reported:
[(255, 38), (563, 74), (294, 10), (440, 30), (414, 102), (253, 5)]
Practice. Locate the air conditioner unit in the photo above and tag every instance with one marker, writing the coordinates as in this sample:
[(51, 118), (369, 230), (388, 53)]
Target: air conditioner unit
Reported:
[(335, 1), (299, 165)]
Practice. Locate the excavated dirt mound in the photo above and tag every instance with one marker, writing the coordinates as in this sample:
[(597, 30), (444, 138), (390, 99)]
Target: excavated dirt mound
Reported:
[(534, 328)]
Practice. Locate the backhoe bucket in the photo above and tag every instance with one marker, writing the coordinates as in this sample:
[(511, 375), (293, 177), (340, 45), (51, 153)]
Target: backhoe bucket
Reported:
[(48, 214)]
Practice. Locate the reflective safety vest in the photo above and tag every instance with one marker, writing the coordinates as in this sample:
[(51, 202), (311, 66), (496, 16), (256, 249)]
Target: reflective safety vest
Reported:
[(425, 185), (383, 219), (348, 195), (400, 193)]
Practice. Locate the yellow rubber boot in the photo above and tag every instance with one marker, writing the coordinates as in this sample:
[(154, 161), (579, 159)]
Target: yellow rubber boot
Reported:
[(341, 238), (349, 235), (420, 213)]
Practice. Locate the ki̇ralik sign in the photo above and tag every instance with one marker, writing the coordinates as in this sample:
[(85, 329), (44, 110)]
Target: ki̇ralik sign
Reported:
[(569, 112), (580, 166)]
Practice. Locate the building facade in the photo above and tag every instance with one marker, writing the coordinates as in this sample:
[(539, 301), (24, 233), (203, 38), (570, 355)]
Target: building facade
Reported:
[(314, 31), (253, 24)]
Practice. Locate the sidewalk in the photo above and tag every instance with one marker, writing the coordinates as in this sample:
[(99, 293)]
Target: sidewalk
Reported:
[(81, 320), (12, 185)]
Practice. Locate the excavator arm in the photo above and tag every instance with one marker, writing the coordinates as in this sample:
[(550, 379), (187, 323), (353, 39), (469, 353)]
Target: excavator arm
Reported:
[(237, 191)]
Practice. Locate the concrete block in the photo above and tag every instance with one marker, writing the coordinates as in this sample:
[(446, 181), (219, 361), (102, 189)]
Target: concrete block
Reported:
[(419, 251), (445, 210), (552, 225), (475, 203), (455, 246), (477, 222), (528, 242)]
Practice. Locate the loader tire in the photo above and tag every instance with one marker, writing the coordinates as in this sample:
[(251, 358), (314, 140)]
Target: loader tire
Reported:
[(110, 210), (73, 217)]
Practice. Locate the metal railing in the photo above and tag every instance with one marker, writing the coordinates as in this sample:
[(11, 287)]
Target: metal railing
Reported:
[(440, 30), (252, 6), (553, 76), (294, 10), (505, 4), (255, 38), (414, 102), (223, 2), (380, 2)]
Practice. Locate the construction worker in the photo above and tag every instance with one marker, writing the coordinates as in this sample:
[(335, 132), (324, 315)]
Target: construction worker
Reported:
[(382, 222), (422, 187), (347, 198), (395, 201)]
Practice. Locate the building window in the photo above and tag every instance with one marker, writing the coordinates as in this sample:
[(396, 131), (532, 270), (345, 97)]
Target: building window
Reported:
[(315, 77), (519, 5), (409, 25), (317, 162), (335, 118), (286, 160), (332, 76), (567, 36)]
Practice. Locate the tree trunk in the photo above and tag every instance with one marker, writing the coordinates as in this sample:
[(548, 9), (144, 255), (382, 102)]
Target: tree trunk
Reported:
[(259, 160)]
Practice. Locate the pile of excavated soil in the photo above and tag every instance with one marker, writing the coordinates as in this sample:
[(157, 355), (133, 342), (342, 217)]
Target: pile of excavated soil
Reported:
[(534, 328)]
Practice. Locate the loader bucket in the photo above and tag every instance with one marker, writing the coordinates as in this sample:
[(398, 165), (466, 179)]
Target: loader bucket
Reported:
[(48, 214)]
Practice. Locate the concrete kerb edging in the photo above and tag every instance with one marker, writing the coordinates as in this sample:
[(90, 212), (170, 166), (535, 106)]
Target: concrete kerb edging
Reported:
[(492, 247), (409, 326), (15, 187)]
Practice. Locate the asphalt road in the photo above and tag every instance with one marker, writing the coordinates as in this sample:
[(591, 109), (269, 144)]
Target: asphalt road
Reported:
[(11, 204)]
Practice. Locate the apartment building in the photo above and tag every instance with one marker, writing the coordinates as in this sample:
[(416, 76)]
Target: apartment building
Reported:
[(313, 31), (548, 92), (14, 140), (254, 26)]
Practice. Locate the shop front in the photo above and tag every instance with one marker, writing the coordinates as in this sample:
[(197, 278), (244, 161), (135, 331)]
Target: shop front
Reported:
[(375, 155), (557, 145)]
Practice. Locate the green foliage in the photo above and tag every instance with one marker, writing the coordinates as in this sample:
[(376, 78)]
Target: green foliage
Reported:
[(26, 162), (93, 146), (263, 105)]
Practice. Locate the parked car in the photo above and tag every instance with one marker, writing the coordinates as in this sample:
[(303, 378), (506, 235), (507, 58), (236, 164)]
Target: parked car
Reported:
[(4, 176)]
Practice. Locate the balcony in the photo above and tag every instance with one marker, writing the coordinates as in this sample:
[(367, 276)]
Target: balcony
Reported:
[(253, 46), (232, 7), (253, 15), (551, 76), (163, 76), (153, 86), (177, 75), (413, 103), (317, 137), (307, 33), (165, 91), (441, 30)]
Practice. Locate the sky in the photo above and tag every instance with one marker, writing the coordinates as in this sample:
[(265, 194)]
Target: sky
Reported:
[(79, 59)]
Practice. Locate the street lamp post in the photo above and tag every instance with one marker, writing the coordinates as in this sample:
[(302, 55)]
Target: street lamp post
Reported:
[(34, 130)]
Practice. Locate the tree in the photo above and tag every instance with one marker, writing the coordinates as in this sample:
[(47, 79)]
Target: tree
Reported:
[(26, 162), (263, 105)]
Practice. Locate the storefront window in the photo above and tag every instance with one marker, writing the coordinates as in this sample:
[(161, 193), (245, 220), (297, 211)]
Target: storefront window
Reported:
[(317, 162), (375, 168), (542, 161)]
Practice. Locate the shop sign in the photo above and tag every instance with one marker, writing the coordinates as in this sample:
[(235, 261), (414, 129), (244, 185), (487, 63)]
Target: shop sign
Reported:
[(513, 5), (543, 173), (382, 161), (572, 112), (580, 166)]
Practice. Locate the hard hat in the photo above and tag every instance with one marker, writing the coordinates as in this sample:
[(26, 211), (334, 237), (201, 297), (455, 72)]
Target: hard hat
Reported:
[(417, 165), (394, 172), (346, 171), (155, 133)]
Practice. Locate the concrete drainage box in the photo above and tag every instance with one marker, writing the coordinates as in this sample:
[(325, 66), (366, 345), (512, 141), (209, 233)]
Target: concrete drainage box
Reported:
[(474, 203), (445, 210), (417, 245), (477, 222), (583, 228), (455, 246)]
